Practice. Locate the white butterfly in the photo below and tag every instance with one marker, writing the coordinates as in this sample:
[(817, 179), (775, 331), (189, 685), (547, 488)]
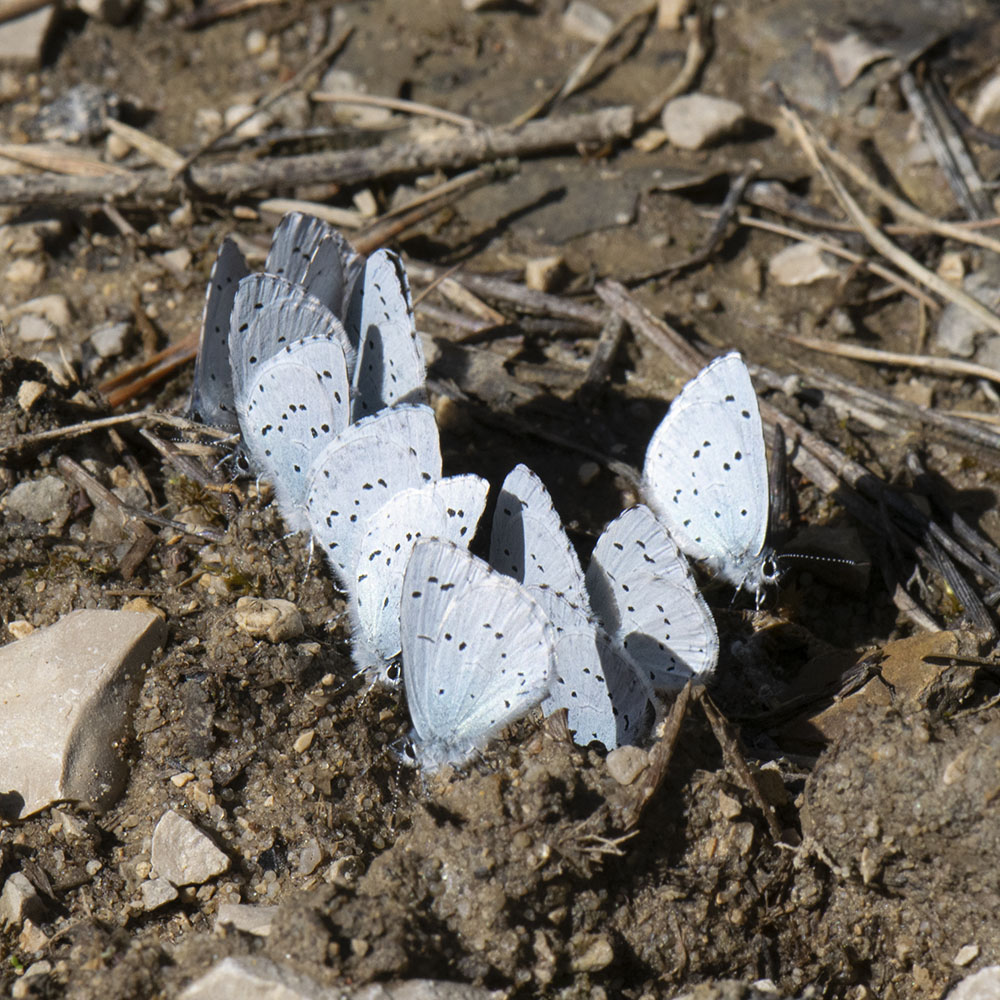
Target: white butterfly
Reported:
[(705, 475)]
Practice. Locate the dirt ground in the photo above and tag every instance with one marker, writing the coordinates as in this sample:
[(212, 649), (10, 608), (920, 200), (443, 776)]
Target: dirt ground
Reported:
[(852, 855)]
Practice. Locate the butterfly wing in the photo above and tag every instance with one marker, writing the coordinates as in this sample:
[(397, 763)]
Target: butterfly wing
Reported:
[(642, 591), (529, 544), (448, 509), (362, 469), (390, 365), (477, 651), (212, 388), (269, 313), (705, 473), (299, 403)]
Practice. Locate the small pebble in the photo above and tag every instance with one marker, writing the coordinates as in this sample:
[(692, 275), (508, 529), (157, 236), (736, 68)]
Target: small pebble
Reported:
[(966, 955), (542, 273), (20, 628), (625, 764), (304, 741), (29, 392), (365, 203), (155, 893), (54, 308), (592, 952), (275, 619), (182, 854), (33, 329), (24, 272), (246, 917), (19, 901), (178, 261), (801, 264), (695, 121), (109, 339), (116, 147), (585, 21), (587, 473), (981, 985), (256, 42), (44, 501)]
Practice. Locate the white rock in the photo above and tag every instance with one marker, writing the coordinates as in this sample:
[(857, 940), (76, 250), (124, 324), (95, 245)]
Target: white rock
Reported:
[(957, 329), (981, 985), (22, 38), (108, 340), (272, 618), (255, 42), (698, 120), (183, 854), (66, 698), (625, 764), (584, 20), (542, 273), (247, 917), (20, 901), (44, 500), (966, 955), (34, 329), (156, 892), (178, 261), (801, 264), (54, 308), (261, 979), (24, 272)]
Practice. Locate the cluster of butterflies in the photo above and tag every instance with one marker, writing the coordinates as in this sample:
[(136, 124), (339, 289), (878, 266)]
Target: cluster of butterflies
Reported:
[(316, 363)]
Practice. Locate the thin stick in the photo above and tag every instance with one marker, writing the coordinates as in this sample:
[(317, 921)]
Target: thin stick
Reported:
[(837, 250), (60, 161), (925, 362), (344, 167), (319, 60), (201, 16), (882, 243), (961, 232), (575, 79), (394, 104)]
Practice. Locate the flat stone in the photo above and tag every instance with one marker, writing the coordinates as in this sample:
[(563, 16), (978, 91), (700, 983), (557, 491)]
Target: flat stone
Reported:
[(247, 917), (183, 854), (802, 264), (695, 121), (54, 308), (22, 38), (30, 392), (44, 500), (77, 115), (24, 272), (261, 979), (625, 764), (585, 21), (33, 329), (156, 892), (20, 901), (981, 985), (66, 698), (269, 618), (109, 339), (957, 329)]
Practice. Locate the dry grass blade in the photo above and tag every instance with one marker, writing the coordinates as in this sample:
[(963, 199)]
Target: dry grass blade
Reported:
[(879, 241), (395, 104), (60, 160), (962, 233), (343, 218), (925, 362), (159, 152)]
